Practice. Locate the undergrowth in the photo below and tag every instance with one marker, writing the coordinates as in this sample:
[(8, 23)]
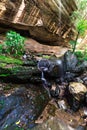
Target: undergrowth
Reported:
[(13, 44)]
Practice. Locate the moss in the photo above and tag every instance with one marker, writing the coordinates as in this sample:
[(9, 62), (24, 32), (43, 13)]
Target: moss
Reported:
[(10, 60), (3, 64), (4, 75)]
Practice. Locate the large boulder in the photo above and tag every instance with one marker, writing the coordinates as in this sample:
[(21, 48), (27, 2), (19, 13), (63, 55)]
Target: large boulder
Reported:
[(46, 21)]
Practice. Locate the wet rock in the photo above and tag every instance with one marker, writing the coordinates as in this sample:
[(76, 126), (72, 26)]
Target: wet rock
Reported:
[(22, 107), (70, 61)]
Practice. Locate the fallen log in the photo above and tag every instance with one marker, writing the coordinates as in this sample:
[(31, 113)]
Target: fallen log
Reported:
[(23, 72)]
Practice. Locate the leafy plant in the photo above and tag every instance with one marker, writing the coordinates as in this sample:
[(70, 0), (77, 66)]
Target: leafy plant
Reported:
[(81, 55), (79, 21), (14, 43)]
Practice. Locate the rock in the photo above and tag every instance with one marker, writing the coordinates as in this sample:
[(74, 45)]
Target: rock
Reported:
[(77, 90), (73, 69), (76, 95), (22, 107), (34, 46), (52, 124), (43, 20), (70, 61), (83, 77), (81, 67), (55, 118)]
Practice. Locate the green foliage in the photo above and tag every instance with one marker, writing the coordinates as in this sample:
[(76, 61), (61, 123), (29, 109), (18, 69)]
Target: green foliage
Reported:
[(80, 23), (81, 55), (14, 43), (81, 11), (82, 4), (81, 26), (2, 49)]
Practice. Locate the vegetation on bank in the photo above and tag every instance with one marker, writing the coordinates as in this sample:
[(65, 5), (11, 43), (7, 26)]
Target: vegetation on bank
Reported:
[(79, 20)]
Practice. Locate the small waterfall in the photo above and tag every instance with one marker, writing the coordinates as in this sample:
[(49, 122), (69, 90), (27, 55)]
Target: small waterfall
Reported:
[(45, 84), (43, 79)]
